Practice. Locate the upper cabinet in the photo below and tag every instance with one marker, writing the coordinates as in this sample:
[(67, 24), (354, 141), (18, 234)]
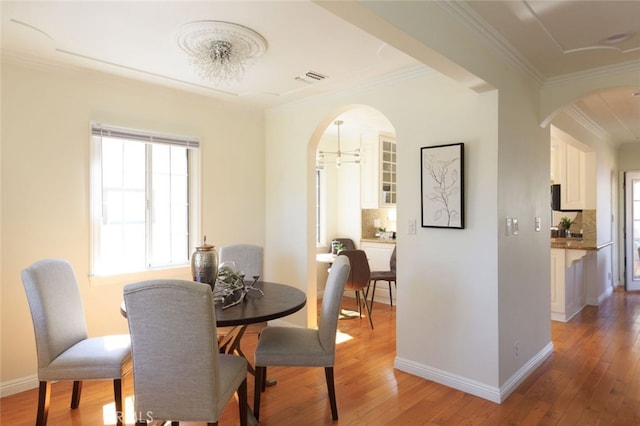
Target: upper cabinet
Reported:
[(573, 167), (378, 172)]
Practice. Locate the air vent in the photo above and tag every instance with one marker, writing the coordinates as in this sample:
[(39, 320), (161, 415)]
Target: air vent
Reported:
[(311, 77)]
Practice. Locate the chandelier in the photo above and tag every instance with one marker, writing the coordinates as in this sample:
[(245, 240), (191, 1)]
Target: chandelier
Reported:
[(338, 157), (221, 51)]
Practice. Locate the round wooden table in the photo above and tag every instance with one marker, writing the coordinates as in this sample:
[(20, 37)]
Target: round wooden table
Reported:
[(278, 301)]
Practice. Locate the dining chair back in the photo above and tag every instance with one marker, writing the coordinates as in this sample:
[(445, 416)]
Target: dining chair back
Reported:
[(388, 276), (347, 243), (64, 350), (359, 279), (247, 257), (305, 347), (177, 371)]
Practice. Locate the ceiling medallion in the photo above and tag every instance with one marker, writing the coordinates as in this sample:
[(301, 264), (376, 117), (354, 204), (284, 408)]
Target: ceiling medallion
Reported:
[(221, 51)]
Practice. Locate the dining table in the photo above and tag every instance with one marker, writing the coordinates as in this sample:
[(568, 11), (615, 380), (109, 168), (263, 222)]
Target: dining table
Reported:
[(262, 301)]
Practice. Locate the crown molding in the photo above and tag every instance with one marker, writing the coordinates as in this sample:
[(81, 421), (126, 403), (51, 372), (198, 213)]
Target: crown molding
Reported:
[(577, 114), (491, 37)]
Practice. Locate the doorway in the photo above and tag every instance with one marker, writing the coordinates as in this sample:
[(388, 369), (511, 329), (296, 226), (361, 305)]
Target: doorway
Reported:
[(632, 230)]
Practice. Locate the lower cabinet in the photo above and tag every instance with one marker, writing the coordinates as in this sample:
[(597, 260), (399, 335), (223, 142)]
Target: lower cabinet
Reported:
[(378, 254), (568, 287)]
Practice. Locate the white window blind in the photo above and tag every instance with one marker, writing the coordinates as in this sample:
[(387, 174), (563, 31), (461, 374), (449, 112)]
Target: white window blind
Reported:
[(144, 200)]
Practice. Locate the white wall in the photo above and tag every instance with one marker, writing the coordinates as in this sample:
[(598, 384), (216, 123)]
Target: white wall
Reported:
[(447, 292), (45, 183), (464, 297)]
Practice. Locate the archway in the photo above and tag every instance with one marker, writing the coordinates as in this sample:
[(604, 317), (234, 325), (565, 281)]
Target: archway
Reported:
[(337, 209)]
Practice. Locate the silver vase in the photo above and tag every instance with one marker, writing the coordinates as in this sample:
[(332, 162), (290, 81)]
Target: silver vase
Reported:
[(204, 264)]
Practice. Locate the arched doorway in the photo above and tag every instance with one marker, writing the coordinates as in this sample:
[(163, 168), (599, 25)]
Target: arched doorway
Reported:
[(346, 203)]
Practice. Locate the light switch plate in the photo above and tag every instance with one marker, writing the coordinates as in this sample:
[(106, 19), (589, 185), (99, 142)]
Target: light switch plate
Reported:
[(538, 223), (515, 226), (411, 230), (508, 224)]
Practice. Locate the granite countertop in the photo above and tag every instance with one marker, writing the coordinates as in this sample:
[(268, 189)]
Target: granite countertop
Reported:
[(379, 240), (577, 244)]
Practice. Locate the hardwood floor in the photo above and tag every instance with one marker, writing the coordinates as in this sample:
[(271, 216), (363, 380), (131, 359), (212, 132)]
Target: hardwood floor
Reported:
[(592, 378)]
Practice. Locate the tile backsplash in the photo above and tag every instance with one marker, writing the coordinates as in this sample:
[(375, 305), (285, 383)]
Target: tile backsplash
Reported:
[(386, 217), (585, 221)]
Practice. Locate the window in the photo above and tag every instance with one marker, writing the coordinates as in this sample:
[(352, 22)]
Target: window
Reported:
[(143, 200), (318, 208)]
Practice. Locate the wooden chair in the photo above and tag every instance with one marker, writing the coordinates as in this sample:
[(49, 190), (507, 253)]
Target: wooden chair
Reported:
[(65, 352)]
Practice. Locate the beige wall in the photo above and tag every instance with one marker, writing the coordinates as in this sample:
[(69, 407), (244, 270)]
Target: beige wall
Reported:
[(45, 183)]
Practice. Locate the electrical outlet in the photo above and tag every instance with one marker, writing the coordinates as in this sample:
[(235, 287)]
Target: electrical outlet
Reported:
[(538, 223), (515, 226), (516, 350)]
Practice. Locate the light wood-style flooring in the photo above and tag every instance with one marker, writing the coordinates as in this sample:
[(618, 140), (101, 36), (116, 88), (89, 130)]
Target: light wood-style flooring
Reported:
[(592, 378)]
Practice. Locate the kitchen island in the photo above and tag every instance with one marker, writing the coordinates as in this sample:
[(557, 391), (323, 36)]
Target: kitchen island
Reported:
[(577, 279)]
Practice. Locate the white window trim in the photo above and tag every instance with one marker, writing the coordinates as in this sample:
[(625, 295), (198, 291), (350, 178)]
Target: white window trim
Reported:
[(179, 272)]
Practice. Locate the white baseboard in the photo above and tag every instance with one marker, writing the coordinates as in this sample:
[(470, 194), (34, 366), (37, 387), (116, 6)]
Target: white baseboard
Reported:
[(491, 393), (18, 385)]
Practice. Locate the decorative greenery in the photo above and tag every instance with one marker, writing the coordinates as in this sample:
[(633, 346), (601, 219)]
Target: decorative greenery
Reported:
[(228, 276), (566, 223)]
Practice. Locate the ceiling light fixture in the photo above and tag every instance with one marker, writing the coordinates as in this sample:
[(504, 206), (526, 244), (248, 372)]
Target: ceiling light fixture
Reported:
[(221, 51), (341, 157)]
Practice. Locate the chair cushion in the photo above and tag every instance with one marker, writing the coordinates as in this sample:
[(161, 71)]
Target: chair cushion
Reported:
[(95, 358), (383, 275), (232, 371), (290, 346)]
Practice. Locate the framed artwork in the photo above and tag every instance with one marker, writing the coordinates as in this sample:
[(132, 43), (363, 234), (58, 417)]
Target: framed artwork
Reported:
[(442, 186)]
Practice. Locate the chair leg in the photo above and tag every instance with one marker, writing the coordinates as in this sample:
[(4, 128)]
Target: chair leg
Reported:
[(328, 372), (258, 389), (75, 395), (368, 310), (242, 402), (390, 293), (373, 292), (44, 396), (117, 397)]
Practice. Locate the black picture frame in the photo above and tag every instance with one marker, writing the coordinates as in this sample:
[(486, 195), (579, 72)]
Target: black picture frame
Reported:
[(442, 186)]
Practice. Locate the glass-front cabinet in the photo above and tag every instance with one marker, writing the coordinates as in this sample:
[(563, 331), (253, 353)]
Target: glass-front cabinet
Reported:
[(378, 172), (388, 171)]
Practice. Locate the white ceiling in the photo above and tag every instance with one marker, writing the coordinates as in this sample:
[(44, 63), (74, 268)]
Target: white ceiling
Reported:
[(551, 39)]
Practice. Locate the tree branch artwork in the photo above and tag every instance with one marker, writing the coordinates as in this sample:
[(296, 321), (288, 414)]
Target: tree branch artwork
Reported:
[(442, 186)]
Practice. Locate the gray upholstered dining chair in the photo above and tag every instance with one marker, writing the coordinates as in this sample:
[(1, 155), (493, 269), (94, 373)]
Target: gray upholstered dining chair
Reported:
[(65, 352), (305, 347), (359, 279), (249, 259), (388, 276), (178, 373)]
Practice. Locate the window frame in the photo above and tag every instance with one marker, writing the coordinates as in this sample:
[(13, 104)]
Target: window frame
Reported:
[(97, 132)]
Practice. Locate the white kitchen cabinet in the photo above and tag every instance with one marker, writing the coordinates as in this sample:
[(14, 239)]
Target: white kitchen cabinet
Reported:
[(378, 172), (378, 254), (568, 288), (573, 167)]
